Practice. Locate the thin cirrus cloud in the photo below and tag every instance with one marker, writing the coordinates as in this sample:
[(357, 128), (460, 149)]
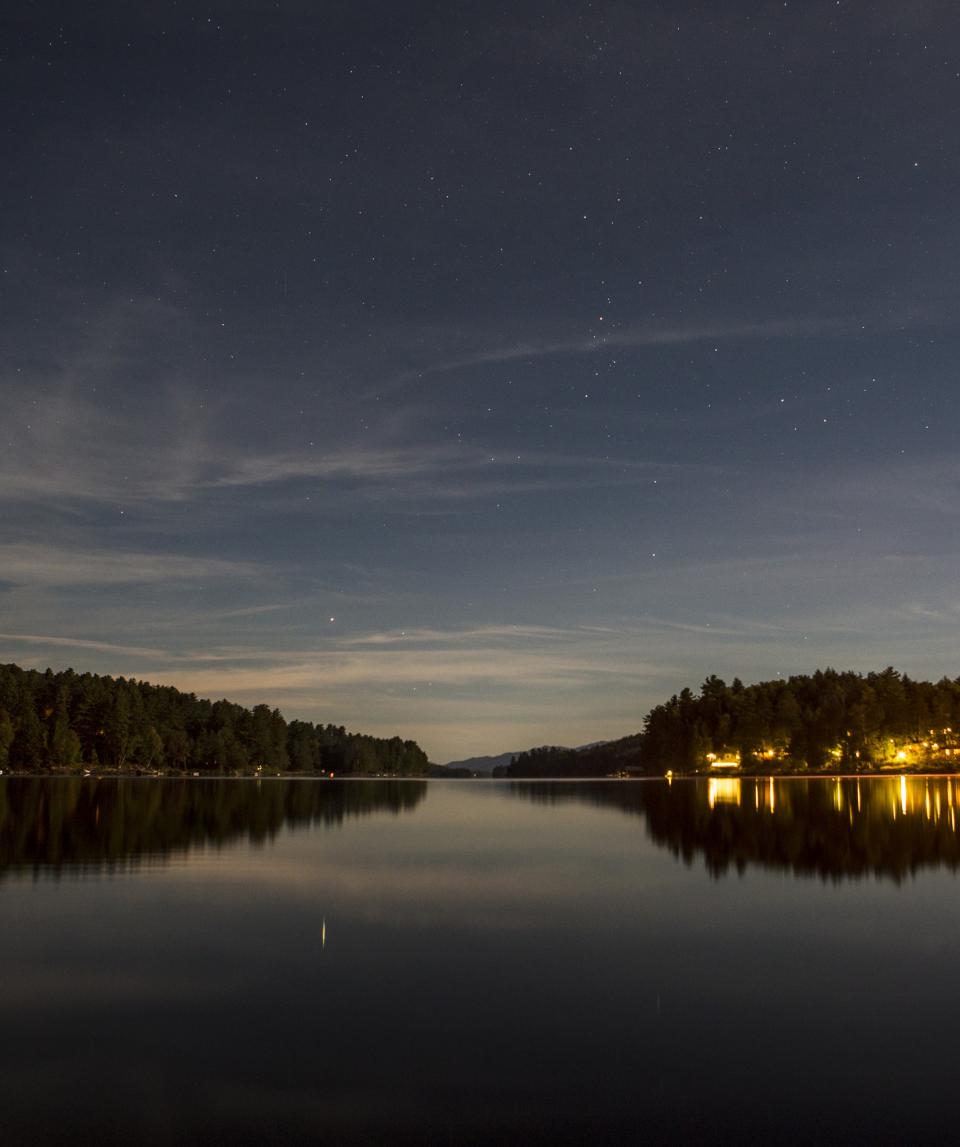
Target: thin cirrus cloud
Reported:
[(78, 444), (357, 464), (54, 642), (480, 693), (482, 634), (430, 472), (81, 442), (491, 657), (33, 564), (77, 451), (628, 337), (447, 670), (497, 685), (539, 655)]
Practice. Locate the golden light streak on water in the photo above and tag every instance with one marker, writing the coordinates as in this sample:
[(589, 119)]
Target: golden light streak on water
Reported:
[(723, 790)]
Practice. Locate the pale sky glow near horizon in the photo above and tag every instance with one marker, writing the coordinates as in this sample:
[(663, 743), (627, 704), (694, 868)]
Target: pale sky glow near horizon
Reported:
[(482, 374)]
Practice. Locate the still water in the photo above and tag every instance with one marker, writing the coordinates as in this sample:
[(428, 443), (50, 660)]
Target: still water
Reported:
[(457, 963)]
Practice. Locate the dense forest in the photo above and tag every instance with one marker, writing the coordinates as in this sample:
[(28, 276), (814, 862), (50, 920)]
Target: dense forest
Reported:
[(601, 760), (826, 721), (74, 721)]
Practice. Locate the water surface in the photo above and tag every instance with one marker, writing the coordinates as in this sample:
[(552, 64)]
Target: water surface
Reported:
[(394, 962)]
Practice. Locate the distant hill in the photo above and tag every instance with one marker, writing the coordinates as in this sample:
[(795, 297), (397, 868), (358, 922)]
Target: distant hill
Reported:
[(448, 772), (600, 759), (502, 760), (484, 764)]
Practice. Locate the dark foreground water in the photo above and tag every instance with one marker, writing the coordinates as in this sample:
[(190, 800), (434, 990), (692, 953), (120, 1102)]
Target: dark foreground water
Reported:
[(387, 962)]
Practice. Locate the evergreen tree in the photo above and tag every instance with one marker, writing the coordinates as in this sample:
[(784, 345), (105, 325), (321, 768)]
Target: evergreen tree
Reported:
[(6, 737), (60, 719), (28, 749)]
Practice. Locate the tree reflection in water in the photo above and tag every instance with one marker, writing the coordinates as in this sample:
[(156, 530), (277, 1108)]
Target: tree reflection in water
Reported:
[(834, 828), (56, 824)]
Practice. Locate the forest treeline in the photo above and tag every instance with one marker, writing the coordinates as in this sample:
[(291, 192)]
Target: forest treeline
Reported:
[(68, 720), (824, 721), (601, 760)]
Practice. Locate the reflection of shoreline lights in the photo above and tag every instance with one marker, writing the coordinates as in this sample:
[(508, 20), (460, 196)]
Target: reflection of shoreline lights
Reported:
[(929, 798), (723, 790), (770, 802), (847, 826)]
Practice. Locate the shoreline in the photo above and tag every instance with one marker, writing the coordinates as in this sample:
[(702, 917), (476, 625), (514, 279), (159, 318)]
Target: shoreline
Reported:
[(143, 775)]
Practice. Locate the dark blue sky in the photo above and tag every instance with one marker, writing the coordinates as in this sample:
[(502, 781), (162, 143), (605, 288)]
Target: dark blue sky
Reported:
[(483, 373)]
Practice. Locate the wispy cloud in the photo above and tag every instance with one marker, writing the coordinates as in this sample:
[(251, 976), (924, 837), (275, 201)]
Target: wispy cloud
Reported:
[(25, 563), (499, 654), (80, 444), (351, 463), (52, 642), (74, 432), (434, 473), (458, 669), (454, 693), (497, 634), (627, 337), (74, 449)]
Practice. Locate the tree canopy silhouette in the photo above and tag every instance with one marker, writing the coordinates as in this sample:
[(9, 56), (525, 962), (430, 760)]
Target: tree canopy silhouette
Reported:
[(71, 721), (825, 721)]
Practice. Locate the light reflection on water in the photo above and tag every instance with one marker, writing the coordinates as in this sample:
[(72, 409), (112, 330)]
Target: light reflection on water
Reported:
[(467, 963)]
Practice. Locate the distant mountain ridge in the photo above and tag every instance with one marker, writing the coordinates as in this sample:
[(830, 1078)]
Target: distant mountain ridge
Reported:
[(502, 760), (600, 759), (483, 764)]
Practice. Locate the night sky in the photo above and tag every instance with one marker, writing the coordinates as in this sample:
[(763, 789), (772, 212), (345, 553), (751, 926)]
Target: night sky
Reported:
[(479, 372)]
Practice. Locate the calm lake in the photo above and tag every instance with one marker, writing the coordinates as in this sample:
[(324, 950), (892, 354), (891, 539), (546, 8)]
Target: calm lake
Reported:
[(386, 962)]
